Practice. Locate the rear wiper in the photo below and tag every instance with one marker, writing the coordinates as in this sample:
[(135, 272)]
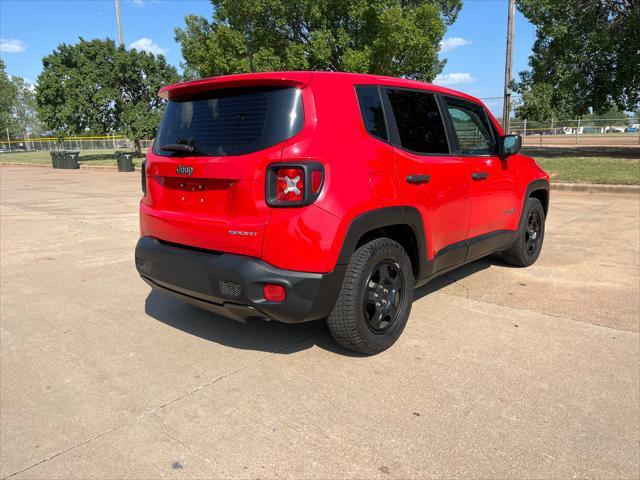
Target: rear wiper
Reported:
[(178, 148)]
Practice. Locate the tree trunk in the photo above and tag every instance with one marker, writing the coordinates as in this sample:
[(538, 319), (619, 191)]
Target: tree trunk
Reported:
[(137, 149)]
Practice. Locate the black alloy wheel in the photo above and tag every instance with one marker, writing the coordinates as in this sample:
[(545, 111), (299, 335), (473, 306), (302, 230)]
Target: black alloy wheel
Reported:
[(532, 234), (383, 296)]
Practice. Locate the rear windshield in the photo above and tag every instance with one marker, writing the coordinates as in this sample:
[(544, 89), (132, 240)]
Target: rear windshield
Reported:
[(232, 122)]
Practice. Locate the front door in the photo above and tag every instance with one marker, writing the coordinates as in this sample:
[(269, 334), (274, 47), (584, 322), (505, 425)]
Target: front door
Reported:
[(493, 189)]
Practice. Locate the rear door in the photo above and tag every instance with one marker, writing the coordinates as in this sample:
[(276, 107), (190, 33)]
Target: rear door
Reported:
[(206, 169), (432, 178), (493, 193)]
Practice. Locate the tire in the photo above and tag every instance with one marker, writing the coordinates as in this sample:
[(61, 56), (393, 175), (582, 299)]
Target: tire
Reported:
[(528, 244), (379, 271)]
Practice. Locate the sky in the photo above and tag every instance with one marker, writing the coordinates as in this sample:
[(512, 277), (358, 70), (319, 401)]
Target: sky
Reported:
[(474, 46)]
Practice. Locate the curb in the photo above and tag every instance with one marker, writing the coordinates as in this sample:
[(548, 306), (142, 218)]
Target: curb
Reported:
[(99, 167), (594, 188), (16, 164), (46, 165)]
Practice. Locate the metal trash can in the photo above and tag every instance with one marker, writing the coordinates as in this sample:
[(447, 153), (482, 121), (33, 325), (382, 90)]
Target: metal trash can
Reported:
[(125, 161)]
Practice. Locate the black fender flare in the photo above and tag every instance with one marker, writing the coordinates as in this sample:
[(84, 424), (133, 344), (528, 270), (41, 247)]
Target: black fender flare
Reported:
[(535, 185), (385, 217)]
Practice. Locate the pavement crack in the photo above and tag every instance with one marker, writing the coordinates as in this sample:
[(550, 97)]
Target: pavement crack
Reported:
[(153, 411), (173, 438), (459, 282), (238, 370), (66, 450), (170, 435)]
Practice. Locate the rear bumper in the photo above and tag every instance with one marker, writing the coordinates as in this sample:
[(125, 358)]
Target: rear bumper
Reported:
[(232, 285)]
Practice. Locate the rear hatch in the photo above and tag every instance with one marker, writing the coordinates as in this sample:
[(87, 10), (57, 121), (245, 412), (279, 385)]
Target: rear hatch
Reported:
[(206, 168)]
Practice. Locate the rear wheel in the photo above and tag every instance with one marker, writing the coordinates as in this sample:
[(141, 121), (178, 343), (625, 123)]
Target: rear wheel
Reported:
[(528, 244), (375, 299)]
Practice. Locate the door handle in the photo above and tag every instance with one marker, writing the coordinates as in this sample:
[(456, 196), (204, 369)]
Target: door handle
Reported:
[(479, 175), (417, 179)]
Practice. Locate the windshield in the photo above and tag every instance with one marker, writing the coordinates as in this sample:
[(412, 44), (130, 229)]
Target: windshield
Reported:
[(231, 122)]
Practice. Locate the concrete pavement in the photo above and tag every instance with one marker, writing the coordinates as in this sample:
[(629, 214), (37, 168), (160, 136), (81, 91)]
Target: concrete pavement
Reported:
[(500, 373)]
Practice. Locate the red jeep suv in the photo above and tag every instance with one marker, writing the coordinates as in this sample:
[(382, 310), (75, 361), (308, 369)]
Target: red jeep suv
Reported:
[(299, 196)]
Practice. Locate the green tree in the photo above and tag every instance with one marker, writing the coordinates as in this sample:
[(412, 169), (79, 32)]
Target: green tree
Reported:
[(77, 89), (17, 106), (7, 99), (391, 37), (25, 120), (94, 86), (586, 57), (139, 76), (611, 117), (612, 114)]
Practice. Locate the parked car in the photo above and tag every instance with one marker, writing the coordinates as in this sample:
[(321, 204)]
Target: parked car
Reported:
[(298, 196)]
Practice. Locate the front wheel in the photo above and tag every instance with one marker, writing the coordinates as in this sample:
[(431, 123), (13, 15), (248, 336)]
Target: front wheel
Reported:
[(375, 299), (528, 244)]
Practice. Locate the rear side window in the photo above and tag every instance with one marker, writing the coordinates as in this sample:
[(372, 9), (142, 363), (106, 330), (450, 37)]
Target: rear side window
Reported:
[(418, 120), (472, 128), (371, 110), (232, 122)]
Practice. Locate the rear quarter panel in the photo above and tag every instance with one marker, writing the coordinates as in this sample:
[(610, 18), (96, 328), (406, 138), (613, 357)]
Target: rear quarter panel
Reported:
[(359, 176)]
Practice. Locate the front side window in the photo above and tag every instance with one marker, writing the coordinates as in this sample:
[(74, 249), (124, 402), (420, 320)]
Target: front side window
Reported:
[(419, 121), (231, 122), (471, 127)]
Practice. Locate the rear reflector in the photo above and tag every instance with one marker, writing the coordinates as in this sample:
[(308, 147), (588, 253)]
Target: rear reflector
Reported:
[(143, 176), (274, 292), (316, 181)]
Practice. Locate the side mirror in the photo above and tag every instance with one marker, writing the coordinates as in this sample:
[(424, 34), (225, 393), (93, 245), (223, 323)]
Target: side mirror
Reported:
[(509, 145)]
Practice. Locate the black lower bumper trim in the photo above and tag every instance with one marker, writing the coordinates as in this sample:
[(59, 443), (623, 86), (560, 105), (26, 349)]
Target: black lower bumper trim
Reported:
[(232, 285)]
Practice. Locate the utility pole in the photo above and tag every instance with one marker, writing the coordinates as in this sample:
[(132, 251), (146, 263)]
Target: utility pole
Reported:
[(506, 109), (119, 23)]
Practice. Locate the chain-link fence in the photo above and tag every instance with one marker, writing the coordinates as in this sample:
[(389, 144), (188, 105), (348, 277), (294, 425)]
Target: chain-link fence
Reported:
[(114, 142), (596, 132), (589, 132)]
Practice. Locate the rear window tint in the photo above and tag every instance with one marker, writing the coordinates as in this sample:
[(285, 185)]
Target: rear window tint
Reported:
[(418, 120), (232, 122), (371, 110)]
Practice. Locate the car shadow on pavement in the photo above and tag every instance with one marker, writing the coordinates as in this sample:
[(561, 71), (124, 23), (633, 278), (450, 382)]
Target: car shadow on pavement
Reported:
[(259, 335), (271, 336), (457, 274)]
